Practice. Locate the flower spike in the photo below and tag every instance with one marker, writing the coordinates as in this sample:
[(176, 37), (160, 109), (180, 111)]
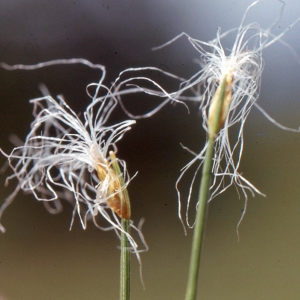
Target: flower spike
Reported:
[(66, 158), (242, 64), (61, 152)]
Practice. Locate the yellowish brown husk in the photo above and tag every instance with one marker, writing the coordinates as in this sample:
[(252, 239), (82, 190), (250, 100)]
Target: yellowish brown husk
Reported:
[(225, 105), (116, 199)]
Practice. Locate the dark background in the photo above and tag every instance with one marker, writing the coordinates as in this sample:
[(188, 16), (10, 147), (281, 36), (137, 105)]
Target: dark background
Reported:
[(41, 259)]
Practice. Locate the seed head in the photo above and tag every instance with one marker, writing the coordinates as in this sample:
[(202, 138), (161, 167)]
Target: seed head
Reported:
[(68, 158), (242, 64)]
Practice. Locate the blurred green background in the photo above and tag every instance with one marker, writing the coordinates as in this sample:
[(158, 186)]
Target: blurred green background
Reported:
[(41, 259)]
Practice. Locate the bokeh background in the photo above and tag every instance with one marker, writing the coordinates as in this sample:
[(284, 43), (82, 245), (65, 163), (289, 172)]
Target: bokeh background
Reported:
[(41, 259)]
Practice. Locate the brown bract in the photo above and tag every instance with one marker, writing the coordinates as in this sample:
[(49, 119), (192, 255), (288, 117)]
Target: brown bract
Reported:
[(115, 194)]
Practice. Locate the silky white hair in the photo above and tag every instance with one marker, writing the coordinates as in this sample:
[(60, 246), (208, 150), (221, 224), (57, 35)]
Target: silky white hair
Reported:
[(59, 158), (244, 63)]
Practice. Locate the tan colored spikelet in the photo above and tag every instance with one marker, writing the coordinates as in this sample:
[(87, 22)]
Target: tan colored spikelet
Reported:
[(225, 105), (116, 199)]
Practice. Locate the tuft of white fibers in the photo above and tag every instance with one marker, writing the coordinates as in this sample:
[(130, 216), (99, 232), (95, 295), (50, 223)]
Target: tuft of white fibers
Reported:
[(63, 155), (242, 64)]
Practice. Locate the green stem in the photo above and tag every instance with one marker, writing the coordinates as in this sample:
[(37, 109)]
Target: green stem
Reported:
[(125, 262), (125, 244), (203, 199)]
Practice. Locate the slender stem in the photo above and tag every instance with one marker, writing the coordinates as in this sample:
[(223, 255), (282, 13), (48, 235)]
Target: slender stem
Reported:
[(125, 245), (125, 262), (203, 199)]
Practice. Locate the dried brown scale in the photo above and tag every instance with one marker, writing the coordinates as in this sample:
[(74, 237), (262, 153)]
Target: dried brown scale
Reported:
[(115, 195)]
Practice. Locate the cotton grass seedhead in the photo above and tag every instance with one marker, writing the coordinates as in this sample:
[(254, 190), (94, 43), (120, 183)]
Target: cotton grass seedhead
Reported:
[(242, 66), (61, 153), (65, 157)]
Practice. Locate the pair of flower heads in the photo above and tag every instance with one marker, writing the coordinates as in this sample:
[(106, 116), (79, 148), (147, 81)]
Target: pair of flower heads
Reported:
[(65, 157)]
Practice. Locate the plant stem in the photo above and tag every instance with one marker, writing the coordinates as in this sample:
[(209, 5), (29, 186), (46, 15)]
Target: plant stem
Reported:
[(125, 245), (203, 199), (125, 262)]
